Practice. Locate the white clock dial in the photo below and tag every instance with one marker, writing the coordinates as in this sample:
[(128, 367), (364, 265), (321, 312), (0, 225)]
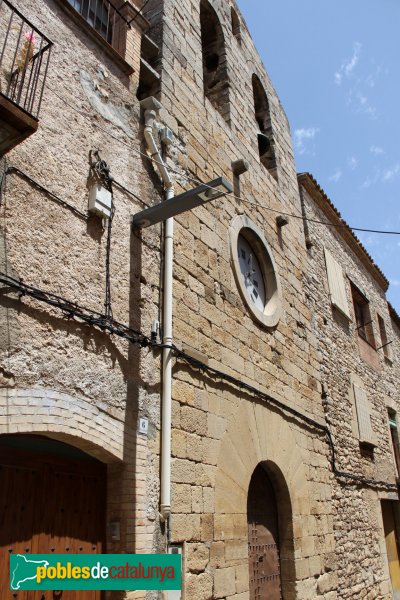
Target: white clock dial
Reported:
[(251, 273)]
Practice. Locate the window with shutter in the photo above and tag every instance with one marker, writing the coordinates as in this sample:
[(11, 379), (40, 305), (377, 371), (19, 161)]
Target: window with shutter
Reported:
[(363, 316), (363, 408), (336, 283), (394, 434), (385, 343)]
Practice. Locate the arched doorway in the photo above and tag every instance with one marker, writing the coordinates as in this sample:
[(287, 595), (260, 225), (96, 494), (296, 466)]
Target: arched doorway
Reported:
[(263, 537), (52, 500)]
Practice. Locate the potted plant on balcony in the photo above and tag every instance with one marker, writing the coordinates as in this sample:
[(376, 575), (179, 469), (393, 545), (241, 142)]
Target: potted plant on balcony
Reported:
[(24, 58)]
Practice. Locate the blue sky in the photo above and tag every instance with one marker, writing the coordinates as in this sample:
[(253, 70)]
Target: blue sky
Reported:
[(335, 67)]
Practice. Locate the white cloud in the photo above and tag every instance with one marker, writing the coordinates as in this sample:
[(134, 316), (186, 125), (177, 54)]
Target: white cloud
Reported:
[(357, 98), (360, 103), (302, 137), (371, 179), (375, 150), (391, 173), (338, 78), (347, 67), (336, 176), (352, 162), (363, 105), (382, 176), (373, 77)]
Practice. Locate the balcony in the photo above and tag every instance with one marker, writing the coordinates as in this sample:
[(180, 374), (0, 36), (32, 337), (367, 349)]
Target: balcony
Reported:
[(24, 61)]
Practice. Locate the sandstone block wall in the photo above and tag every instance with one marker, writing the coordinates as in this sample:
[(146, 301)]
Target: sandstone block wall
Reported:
[(219, 433), (359, 536), (296, 362), (66, 380)]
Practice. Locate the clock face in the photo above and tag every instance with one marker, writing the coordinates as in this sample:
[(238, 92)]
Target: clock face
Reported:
[(251, 273)]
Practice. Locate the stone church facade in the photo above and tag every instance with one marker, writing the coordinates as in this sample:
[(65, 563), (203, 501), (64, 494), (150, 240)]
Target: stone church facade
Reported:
[(281, 402)]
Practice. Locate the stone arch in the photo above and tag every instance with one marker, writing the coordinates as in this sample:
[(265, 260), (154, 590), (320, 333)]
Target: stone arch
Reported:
[(235, 24), (71, 419), (266, 142), (215, 68), (93, 427), (265, 437), (284, 522)]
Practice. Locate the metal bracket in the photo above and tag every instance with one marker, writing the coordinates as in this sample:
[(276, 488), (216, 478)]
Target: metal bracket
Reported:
[(384, 345), (363, 325)]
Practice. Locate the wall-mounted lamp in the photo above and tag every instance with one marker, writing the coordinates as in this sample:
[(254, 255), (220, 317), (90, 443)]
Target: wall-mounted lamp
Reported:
[(182, 203)]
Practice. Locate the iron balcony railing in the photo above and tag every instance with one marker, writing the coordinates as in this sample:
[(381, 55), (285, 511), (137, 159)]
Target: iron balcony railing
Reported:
[(24, 60), (106, 18)]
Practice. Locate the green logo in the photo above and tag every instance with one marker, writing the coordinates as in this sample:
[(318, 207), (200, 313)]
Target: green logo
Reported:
[(95, 572)]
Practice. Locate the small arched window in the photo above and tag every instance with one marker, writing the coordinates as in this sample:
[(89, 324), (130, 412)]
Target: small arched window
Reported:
[(236, 25), (215, 71), (266, 144)]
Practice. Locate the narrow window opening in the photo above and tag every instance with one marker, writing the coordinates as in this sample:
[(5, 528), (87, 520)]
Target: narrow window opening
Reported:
[(212, 62), (149, 78), (363, 316), (385, 343), (236, 25), (215, 71), (394, 434), (266, 144)]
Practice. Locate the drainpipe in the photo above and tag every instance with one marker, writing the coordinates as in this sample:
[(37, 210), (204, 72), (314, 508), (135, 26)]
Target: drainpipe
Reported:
[(150, 106)]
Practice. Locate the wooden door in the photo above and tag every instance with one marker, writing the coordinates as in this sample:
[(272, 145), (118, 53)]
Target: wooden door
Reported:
[(262, 518), (391, 515), (51, 502)]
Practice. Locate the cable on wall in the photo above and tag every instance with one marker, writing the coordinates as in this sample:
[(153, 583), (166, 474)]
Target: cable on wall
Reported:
[(101, 171), (72, 310), (107, 323), (138, 12), (356, 479), (231, 194), (50, 194), (103, 323), (3, 175)]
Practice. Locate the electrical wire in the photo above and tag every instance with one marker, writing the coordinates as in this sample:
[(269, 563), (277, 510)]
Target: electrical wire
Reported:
[(139, 12), (231, 194), (101, 172), (128, 191), (72, 310), (3, 174), (107, 323), (108, 301), (50, 194), (104, 323), (358, 479)]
